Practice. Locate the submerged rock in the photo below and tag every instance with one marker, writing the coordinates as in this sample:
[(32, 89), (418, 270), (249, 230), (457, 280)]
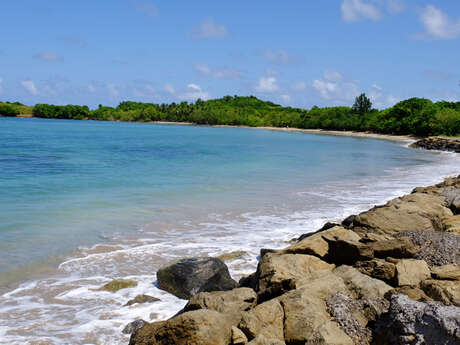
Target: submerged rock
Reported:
[(410, 322), (132, 327), (118, 284), (142, 299)]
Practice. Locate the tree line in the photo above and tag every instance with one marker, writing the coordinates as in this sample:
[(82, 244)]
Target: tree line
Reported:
[(414, 116)]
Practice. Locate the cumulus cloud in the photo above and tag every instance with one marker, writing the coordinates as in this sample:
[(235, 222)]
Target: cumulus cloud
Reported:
[(193, 92), (272, 72), (285, 98), (29, 85), (48, 56), (144, 90), (267, 85), (438, 25), (218, 73), (208, 28), (353, 10), (334, 87), (380, 99), (396, 6), (146, 7)]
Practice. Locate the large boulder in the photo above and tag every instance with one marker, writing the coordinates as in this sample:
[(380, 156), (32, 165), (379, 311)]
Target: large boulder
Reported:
[(231, 303), (436, 248), (452, 224), (411, 272), (187, 277), (322, 284), (361, 285), (409, 322), (261, 340), (348, 251), (317, 244), (452, 196), (448, 272), (378, 268), (396, 248), (280, 273), (414, 293), (329, 334), (445, 291), (200, 327), (266, 319), (418, 211)]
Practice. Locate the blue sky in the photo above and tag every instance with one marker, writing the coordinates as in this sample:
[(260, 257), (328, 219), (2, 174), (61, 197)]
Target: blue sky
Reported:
[(296, 52)]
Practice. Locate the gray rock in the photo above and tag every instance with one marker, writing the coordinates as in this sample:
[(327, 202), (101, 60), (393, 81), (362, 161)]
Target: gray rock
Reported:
[(436, 248), (188, 277), (416, 323), (452, 196), (132, 327)]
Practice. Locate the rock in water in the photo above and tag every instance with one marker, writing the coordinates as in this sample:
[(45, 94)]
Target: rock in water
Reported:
[(411, 322), (142, 299), (134, 326), (187, 277)]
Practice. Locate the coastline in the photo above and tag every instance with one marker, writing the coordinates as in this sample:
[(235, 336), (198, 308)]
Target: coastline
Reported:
[(153, 306)]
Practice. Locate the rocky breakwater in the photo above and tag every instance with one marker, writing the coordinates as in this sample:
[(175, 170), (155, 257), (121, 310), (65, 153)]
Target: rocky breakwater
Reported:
[(438, 143), (389, 275)]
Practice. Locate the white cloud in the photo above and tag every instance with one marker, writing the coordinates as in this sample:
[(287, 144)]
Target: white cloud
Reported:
[(334, 87), (91, 88), (169, 89), (279, 57), (380, 99), (299, 86), (209, 29), (48, 56), (438, 25), (267, 85), (146, 7), (194, 92), (353, 10), (29, 85), (218, 73)]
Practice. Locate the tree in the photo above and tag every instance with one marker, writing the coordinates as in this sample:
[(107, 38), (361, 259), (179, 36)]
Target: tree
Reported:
[(362, 104), (8, 110)]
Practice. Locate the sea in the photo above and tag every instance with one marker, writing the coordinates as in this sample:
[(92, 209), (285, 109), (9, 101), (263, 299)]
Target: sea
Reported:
[(85, 202)]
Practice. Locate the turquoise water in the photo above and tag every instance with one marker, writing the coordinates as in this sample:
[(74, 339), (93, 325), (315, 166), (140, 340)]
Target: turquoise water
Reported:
[(68, 183), (84, 202)]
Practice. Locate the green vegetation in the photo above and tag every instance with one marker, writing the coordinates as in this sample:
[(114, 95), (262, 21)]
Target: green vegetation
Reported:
[(14, 109), (415, 116), (118, 284)]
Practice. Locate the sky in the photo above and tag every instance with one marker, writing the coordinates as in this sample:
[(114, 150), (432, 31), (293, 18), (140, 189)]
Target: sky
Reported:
[(298, 53)]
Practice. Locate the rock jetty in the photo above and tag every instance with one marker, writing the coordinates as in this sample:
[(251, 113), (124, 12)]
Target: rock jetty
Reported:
[(389, 275), (438, 143)]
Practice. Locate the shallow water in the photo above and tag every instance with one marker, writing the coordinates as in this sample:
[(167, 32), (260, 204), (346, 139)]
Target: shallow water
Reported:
[(84, 202)]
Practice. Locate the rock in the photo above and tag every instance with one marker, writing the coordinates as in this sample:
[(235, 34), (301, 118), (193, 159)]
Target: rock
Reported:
[(249, 281), (409, 322), (378, 268), (200, 327), (348, 222), (452, 196), (303, 315), (118, 284), (142, 299), (445, 291), (436, 248), (347, 312), (231, 303), (280, 273), (238, 337), (396, 248), (418, 211), (329, 334), (447, 272), (412, 292), (266, 319), (321, 284), (411, 272), (261, 340), (316, 245), (132, 327), (452, 224), (238, 254), (361, 285), (437, 143), (187, 277), (347, 252)]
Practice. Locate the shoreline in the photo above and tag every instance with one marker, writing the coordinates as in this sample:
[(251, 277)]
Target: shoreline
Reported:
[(401, 138)]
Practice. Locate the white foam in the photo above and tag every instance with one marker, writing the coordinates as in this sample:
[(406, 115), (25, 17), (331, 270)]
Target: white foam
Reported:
[(69, 308)]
